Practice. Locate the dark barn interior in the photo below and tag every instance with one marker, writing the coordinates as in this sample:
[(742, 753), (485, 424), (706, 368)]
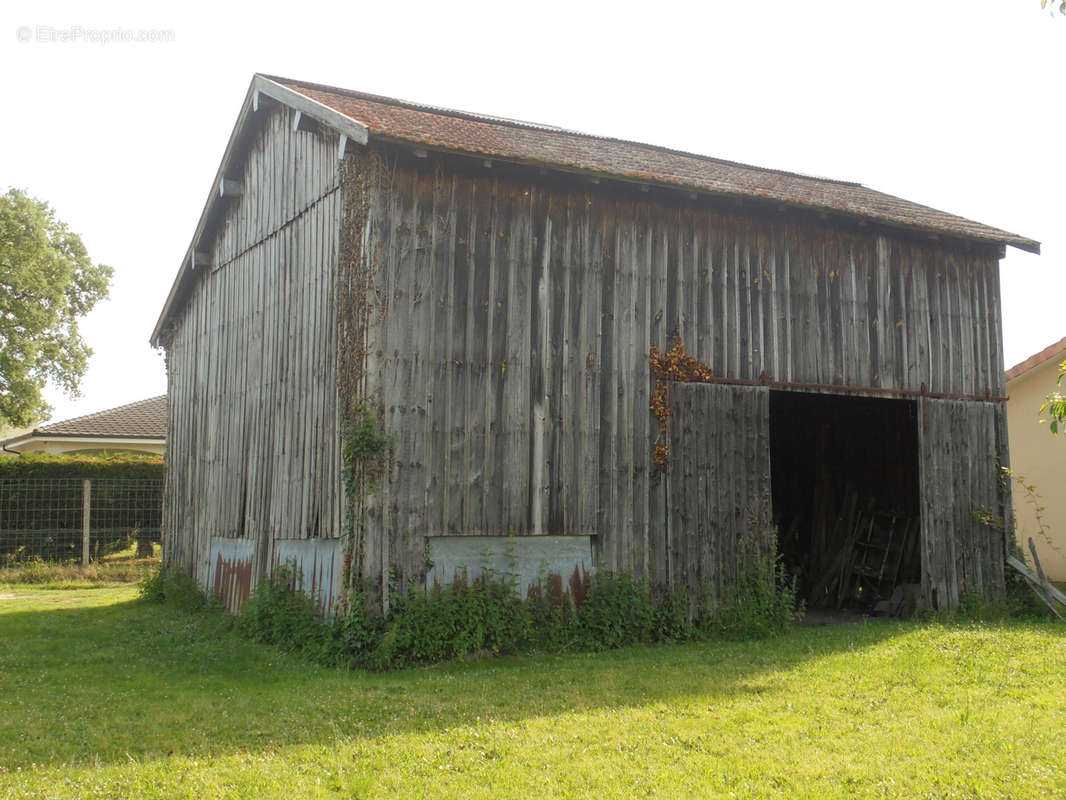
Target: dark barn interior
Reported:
[(844, 472)]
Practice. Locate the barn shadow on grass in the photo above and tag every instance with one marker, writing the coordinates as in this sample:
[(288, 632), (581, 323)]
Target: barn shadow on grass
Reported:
[(132, 680)]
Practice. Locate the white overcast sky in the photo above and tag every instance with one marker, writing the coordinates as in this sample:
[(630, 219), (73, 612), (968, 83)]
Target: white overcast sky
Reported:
[(957, 105)]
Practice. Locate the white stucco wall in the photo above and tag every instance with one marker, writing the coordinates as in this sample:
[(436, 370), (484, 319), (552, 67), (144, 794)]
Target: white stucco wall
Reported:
[(68, 445), (1039, 458)]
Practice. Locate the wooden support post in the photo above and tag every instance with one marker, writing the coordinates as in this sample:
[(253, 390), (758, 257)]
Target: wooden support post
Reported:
[(86, 508)]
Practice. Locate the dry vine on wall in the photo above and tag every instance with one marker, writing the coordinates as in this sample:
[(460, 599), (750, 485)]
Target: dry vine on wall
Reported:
[(354, 290), (673, 365)]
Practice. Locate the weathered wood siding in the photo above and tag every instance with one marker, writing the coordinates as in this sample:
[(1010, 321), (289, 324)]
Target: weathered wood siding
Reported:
[(513, 311), (960, 445), (252, 450), (719, 488)]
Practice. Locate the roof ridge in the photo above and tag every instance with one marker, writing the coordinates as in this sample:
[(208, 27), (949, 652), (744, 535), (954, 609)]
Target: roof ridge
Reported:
[(537, 126)]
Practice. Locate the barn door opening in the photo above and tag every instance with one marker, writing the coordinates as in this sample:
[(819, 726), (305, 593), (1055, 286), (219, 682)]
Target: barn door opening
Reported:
[(845, 486)]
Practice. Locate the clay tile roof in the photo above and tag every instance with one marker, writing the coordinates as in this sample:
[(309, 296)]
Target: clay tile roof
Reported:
[(146, 419), (512, 140), (1034, 361)]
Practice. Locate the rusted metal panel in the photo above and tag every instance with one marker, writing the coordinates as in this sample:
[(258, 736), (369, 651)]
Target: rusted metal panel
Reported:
[(525, 560), (317, 566), (231, 573)]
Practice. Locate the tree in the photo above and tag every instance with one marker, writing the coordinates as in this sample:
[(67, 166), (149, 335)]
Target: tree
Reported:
[(1055, 404), (47, 281)]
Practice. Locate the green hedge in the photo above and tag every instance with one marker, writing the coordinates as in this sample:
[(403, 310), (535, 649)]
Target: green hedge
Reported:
[(42, 466)]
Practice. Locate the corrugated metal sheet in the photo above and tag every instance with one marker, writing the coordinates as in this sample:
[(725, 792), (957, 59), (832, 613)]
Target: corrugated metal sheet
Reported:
[(317, 566), (525, 560)]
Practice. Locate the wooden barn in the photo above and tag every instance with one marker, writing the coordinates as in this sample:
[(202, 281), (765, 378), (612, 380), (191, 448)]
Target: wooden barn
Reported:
[(585, 353)]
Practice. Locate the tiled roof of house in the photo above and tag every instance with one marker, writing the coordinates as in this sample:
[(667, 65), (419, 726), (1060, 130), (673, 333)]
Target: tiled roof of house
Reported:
[(1034, 361), (493, 137), (145, 419)]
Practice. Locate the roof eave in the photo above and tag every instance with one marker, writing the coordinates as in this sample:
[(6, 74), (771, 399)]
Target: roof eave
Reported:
[(1004, 239), (1051, 353)]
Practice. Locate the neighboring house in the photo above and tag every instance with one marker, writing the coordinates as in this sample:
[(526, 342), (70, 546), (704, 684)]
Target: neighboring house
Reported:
[(491, 289), (7, 434), (1038, 458), (139, 427)]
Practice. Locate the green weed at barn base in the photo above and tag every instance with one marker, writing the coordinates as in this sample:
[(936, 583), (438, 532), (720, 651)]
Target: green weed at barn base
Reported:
[(487, 617)]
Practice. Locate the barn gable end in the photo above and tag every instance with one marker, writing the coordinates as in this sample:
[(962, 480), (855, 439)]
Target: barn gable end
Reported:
[(251, 360)]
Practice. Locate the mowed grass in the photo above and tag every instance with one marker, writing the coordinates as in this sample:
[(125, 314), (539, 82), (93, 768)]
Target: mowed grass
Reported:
[(107, 697)]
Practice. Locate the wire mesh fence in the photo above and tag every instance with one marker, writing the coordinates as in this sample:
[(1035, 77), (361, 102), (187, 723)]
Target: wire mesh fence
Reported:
[(64, 520)]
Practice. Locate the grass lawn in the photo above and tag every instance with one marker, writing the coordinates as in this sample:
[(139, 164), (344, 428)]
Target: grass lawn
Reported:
[(106, 697)]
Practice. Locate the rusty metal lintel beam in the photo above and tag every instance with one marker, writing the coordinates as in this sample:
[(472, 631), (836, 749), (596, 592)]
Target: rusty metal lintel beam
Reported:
[(765, 381)]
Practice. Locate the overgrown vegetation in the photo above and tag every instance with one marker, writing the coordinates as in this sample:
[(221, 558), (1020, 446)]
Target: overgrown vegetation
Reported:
[(175, 589), (364, 448), (763, 601), (487, 616), (123, 566)]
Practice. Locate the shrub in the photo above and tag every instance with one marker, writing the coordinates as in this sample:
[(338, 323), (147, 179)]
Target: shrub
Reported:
[(458, 620), (762, 602), (174, 588), (277, 613), (617, 611)]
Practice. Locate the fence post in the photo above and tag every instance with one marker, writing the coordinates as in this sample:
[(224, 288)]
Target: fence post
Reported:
[(86, 507)]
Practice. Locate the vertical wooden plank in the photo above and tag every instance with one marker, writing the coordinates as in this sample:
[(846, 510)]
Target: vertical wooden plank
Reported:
[(520, 345), (479, 328), (572, 420), (590, 242), (624, 313), (540, 318), (503, 266), (605, 226), (641, 382), (558, 352), (438, 491), (488, 277)]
